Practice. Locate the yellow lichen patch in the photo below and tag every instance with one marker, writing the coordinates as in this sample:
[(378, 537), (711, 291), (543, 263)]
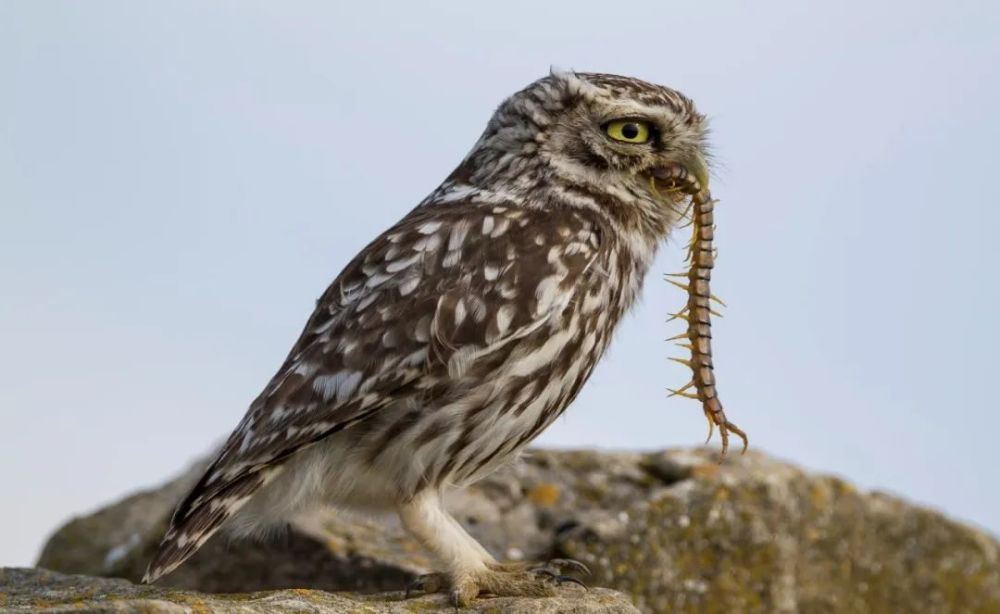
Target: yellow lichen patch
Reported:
[(721, 494), (705, 471), (819, 496), (196, 604), (545, 495)]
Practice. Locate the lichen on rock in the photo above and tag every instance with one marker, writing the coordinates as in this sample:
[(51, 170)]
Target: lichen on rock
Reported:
[(34, 590), (674, 530)]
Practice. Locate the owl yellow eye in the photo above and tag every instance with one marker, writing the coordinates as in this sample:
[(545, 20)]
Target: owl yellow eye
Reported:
[(628, 131)]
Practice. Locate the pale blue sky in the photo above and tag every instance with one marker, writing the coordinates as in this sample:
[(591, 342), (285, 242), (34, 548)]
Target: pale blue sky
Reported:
[(180, 180)]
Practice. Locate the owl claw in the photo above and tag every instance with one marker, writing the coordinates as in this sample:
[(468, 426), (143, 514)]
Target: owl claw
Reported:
[(559, 568), (571, 565), (557, 578)]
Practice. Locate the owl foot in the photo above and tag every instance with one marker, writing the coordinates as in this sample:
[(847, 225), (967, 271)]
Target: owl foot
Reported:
[(557, 569), (427, 584), (511, 580), (501, 580)]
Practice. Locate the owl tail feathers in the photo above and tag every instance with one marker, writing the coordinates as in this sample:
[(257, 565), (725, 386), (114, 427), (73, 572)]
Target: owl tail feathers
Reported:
[(193, 523)]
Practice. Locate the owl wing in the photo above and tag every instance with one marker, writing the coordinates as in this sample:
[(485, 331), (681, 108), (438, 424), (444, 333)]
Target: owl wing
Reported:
[(418, 312)]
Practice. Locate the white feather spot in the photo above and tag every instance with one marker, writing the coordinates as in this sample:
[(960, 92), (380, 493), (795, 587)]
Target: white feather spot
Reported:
[(428, 244), (422, 330), (456, 193), (546, 293), (501, 228), (429, 227), (393, 251), (305, 369), (340, 386), (248, 440), (505, 314), (377, 280), (409, 285), (415, 359), (458, 233), (543, 355), (367, 300), (451, 259), (398, 265)]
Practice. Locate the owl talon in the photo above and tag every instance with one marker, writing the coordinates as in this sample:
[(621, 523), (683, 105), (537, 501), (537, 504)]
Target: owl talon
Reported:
[(569, 565), (555, 578)]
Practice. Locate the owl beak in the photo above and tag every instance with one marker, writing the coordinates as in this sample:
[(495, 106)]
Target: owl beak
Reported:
[(698, 167)]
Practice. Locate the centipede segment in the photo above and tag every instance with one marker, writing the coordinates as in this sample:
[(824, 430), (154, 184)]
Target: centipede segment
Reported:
[(698, 312)]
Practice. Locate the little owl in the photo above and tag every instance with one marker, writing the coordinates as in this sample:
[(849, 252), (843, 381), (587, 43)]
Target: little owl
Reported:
[(460, 333)]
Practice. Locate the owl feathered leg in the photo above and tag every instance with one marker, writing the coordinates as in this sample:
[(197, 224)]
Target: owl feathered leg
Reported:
[(426, 520), (469, 569)]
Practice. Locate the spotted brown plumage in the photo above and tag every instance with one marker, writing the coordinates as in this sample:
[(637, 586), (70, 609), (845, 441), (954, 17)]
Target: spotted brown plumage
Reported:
[(456, 336)]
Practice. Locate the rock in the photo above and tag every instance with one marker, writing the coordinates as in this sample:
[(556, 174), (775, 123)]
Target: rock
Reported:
[(674, 530), (32, 590)]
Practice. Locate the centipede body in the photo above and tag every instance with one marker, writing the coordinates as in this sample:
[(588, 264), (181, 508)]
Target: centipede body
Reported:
[(698, 311)]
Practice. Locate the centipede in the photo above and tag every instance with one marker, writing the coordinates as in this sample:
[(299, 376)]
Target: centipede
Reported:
[(699, 214)]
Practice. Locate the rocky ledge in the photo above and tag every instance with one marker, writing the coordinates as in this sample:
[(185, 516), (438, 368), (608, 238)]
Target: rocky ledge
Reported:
[(675, 531), (34, 590)]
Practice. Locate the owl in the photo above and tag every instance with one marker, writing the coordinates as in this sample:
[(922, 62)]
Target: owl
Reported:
[(464, 330)]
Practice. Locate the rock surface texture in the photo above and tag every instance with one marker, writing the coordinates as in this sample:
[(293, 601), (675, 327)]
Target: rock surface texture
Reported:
[(673, 530), (31, 590)]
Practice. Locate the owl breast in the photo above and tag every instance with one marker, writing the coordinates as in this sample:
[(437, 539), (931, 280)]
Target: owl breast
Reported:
[(520, 395)]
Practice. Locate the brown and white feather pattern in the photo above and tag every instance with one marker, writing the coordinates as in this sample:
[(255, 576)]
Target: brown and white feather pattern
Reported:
[(453, 339)]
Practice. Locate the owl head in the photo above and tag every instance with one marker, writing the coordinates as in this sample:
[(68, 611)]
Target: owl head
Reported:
[(617, 140)]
